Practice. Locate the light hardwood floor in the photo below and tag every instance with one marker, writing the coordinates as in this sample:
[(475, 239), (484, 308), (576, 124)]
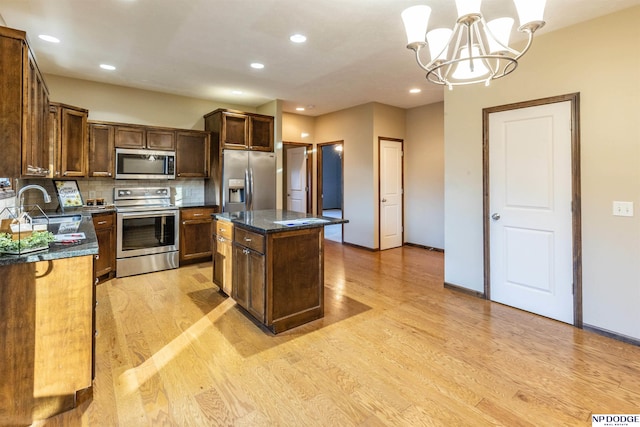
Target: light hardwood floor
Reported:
[(395, 348)]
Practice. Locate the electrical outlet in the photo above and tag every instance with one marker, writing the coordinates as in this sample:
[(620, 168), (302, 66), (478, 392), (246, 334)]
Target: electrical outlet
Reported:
[(622, 208)]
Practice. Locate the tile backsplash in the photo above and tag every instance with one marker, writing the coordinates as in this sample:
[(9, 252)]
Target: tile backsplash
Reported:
[(183, 190)]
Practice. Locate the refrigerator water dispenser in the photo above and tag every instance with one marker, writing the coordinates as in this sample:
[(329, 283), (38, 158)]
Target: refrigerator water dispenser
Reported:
[(236, 191)]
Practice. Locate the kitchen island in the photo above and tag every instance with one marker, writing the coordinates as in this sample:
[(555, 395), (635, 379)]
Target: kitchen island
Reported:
[(47, 318), (277, 263)]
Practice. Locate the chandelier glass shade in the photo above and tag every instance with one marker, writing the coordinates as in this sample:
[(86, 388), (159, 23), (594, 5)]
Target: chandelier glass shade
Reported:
[(474, 51)]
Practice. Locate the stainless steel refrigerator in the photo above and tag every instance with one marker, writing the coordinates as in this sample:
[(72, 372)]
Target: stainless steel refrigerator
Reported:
[(248, 180)]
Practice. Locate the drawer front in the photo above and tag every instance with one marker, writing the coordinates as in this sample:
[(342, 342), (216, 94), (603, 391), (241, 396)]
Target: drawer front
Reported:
[(249, 239), (196, 213), (224, 229), (103, 221)]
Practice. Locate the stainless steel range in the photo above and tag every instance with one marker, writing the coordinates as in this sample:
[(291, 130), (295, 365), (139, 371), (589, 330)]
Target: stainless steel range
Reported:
[(146, 230)]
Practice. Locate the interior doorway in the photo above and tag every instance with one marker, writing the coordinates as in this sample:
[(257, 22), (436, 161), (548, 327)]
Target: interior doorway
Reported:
[(297, 173), (330, 202)]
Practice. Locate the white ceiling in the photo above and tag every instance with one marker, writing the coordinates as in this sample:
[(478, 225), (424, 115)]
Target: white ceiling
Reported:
[(355, 51)]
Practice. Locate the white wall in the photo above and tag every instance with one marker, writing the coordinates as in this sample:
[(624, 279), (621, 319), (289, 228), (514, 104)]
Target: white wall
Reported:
[(127, 105), (355, 127), (424, 176), (600, 59)]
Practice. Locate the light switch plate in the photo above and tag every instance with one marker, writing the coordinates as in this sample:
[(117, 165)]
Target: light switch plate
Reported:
[(622, 208)]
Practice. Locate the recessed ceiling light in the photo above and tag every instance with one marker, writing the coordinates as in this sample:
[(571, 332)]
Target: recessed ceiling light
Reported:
[(257, 65), (107, 67), (415, 90), (304, 134), (298, 38), (236, 92), (48, 38), (299, 108)]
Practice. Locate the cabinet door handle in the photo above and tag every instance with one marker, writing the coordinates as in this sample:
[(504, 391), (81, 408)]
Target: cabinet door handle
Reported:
[(97, 256), (246, 239), (222, 230), (109, 173), (197, 214), (102, 222)]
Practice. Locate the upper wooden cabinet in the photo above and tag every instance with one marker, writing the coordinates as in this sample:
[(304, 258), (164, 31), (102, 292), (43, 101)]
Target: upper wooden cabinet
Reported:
[(261, 133), (240, 131), (24, 106), (101, 150), (138, 136), (192, 154), (161, 139), (68, 126)]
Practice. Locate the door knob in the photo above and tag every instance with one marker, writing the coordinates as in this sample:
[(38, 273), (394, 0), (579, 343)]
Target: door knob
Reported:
[(384, 200), (495, 216)]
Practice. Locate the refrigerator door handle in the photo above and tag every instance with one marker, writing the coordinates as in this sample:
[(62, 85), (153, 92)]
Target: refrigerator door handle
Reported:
[(251, 187), (247, 190)]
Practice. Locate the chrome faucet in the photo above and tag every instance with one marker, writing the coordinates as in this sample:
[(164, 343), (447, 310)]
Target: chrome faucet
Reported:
[(19, 197)]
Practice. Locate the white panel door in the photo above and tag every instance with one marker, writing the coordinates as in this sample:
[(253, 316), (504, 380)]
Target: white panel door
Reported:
[(531, 255), (297, 179), (391, 211)]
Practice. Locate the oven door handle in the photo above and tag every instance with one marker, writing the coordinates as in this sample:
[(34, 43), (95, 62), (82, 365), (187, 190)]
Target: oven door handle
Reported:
[(146, 214)]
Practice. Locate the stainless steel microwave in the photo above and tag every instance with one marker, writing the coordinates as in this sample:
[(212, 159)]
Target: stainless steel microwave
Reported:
[(145, 164)]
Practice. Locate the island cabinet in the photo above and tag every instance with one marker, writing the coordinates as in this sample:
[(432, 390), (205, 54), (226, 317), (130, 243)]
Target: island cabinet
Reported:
[(222, 247), (68, 132), (278, 276), (101, 150), (239, 130), (249, 272), (24, 109), (195, 234), (46, 356)]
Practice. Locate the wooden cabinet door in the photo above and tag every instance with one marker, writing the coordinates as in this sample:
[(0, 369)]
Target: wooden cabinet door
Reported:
[(130, 137), (105, 232), (73, 142), (35, 144), (223, 264), (196, 228), (101, 150), (195, 239), (192, 154), (256, 285), (249, 280), (235, 130), (241, 275), (261, 133), (161, 139)]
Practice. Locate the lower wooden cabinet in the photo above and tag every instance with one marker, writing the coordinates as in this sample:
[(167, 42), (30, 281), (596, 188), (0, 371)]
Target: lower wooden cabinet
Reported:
[(222, 246), (278, 277), (195, 234), (105, 261), (249, 280)]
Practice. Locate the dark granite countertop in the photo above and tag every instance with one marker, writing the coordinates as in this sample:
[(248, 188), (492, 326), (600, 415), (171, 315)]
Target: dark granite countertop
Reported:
[(87, 246), (274, 221), (197, 205)]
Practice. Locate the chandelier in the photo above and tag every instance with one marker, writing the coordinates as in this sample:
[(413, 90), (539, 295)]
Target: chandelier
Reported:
[(474, 51)]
